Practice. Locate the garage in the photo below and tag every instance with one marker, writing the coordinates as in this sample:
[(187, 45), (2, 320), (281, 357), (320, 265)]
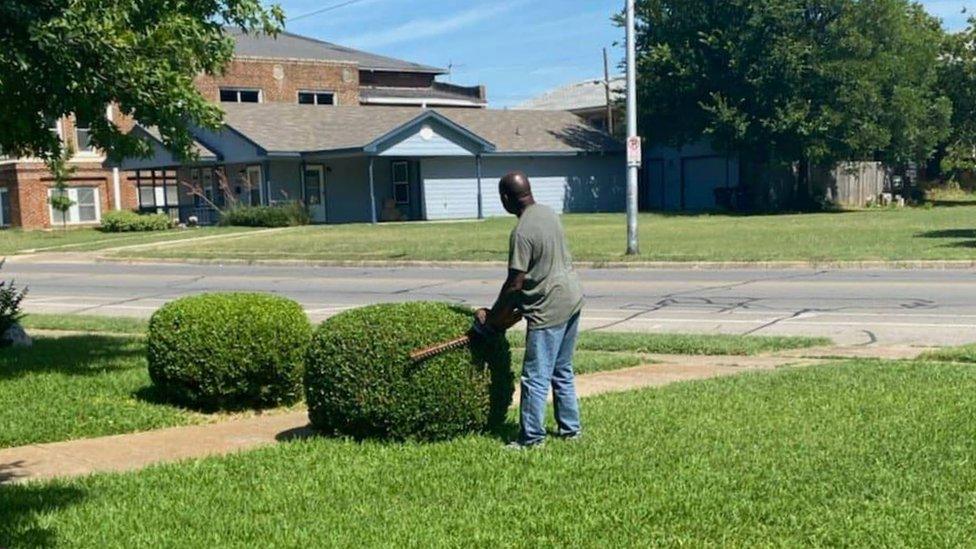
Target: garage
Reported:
[(572, 183)]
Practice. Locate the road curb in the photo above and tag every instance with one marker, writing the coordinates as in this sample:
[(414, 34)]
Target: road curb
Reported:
[(650, 265)]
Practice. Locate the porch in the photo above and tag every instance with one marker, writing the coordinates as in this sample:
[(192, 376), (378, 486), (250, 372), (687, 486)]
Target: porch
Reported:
[(351, 189)]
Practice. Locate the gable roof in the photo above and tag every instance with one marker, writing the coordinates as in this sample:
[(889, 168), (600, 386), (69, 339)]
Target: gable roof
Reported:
[(286, 127), (588, 94), (293, 46), (152, 132)]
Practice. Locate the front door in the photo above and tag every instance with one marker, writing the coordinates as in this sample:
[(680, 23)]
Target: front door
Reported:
[(315, 193)]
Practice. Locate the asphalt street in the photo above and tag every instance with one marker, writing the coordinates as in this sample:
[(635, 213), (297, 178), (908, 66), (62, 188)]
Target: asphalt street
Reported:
[(854, 307)]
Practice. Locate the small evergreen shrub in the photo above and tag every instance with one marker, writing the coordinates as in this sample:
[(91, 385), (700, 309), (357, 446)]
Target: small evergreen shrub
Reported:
[(285, 215), (229, 350), (124, 221), (10, 298), (359, 379)]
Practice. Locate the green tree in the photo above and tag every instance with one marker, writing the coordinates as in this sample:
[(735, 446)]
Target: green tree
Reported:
[(77, 56), (807, 81), (957, 79), (61, 170)]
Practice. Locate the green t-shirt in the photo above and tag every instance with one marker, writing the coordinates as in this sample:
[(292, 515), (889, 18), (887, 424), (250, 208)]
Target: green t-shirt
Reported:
[(551, 294)]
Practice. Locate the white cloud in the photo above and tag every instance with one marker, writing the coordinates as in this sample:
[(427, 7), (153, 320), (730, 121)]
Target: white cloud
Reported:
[(426, 28)]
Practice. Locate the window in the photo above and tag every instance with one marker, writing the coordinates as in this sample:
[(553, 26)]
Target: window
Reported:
[(4, 207), (316, 98), (157, 189), (85, 209), (83, 133), (401, 182), (231, 95), (254, 186), (201, 180)]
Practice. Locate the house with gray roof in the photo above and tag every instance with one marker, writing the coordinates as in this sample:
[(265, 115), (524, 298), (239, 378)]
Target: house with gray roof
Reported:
[(586, 99), (372, 163)]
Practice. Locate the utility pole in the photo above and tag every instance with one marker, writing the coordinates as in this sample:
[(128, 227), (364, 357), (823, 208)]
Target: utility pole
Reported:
[(606, 86), (633, 142)]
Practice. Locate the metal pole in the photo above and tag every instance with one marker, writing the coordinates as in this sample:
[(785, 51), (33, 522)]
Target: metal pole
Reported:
[(632, 246), (372, 194), (481, 211), (606, 86)]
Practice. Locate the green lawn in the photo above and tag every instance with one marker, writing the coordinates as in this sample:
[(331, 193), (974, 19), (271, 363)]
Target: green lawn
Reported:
[(90, 385), (859, 453), (78, 387), (947, 231), (14, 241), (963, 353), (85, 323)]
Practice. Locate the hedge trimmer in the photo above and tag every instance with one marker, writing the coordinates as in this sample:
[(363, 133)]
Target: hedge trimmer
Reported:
[(477, 330)]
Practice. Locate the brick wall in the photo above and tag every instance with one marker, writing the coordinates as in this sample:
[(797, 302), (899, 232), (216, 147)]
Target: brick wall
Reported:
[(27, 185), (280, 80)]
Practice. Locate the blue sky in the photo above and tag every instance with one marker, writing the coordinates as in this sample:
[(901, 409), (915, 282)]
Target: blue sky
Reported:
[(518, 48)]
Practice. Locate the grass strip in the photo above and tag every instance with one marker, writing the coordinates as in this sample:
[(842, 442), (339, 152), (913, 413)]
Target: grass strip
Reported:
[(684, 344), (588, 362), (85, 323), (850, 454), (962, 353)]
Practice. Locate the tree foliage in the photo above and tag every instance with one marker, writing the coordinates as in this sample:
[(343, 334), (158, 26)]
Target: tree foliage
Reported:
[(76, 56), (957, 79), (788, 80)]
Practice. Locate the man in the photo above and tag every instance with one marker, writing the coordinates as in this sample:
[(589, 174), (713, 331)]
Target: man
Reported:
[(543, 287)]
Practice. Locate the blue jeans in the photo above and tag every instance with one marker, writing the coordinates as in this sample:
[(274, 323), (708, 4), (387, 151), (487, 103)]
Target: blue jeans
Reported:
[(549, 363)]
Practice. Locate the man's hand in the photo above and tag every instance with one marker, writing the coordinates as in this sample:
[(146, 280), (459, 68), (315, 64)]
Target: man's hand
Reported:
[(481, 316)]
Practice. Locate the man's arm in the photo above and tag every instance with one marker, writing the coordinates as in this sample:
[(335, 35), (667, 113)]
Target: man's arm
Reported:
[(501, 314)]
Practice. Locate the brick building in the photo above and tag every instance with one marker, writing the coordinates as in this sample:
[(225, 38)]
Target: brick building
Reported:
[(288, 69)]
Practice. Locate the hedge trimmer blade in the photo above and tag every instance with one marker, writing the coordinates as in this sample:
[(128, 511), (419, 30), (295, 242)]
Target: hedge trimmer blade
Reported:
[(438, 348)]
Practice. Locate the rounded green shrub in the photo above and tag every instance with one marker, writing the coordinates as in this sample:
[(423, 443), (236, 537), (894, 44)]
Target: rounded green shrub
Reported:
[(230, 350), (359, 380)]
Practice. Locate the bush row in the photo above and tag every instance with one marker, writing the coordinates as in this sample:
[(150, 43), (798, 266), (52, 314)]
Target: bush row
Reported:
[(123, 221), (255, 350), (291, 214)]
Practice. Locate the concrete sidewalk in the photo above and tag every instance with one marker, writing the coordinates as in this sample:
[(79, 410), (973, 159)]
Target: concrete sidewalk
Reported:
[(134, 451)]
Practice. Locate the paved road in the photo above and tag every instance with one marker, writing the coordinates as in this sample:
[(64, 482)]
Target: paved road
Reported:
[(852, 307)]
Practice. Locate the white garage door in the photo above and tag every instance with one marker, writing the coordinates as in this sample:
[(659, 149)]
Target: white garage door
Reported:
[(451, 198), (564, 184)]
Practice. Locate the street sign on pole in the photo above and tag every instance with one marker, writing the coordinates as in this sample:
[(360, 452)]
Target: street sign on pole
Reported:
[(633, 142), (634, 151)]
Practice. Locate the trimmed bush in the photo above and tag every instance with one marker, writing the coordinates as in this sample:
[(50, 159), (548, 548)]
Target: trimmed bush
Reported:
[(359, 380), (231, 350), (284, 215), (124, 221)]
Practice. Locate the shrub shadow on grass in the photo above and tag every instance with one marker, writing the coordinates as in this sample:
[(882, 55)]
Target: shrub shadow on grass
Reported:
[(86, 355), (948, 233), (153, 394), (21, 510)]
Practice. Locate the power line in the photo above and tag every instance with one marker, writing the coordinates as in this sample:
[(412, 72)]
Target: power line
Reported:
[(323, 10)]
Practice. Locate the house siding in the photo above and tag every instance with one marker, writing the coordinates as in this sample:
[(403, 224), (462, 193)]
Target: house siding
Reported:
[(590, 183), (442, 142)]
